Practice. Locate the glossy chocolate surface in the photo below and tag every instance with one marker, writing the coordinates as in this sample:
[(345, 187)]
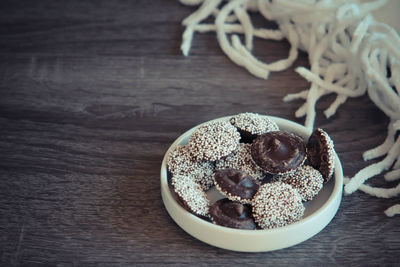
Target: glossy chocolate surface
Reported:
[(278, 152), (231, 214), (236, 183)]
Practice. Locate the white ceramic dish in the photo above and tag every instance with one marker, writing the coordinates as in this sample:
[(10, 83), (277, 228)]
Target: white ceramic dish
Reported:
[(319, 212)]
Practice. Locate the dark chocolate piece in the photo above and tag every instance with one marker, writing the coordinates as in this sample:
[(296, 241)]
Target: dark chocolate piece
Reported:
[(236, 185), (320, 153), (231, 214), (278, 152)]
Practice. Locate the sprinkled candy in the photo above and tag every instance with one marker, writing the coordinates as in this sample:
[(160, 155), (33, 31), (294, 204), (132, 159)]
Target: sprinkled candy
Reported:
[(213, 140), (251, 125), (241, 160), (181, 162), (306, 180), (191, 194), (277, 204)]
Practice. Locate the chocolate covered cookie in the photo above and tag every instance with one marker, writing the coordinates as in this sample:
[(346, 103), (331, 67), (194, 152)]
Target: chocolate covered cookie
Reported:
[(251, 125), (305, 179), (321, 153), (278, 152), (232, 214), (213, 140), (277, 204), (236, 185)]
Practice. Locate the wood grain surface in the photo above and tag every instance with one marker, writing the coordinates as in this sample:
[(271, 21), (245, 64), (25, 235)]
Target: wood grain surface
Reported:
[(92, 93)]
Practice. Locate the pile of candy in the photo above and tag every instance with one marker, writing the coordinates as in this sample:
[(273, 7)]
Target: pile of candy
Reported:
[(265, 174)]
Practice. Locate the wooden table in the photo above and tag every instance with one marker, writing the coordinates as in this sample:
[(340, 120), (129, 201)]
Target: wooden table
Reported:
[(92, 93)]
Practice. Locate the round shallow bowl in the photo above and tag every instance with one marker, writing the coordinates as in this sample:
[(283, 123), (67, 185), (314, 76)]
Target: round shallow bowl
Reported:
[(319, 212)]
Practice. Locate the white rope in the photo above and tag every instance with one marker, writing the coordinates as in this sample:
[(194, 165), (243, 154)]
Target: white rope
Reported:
[(191, 2), (340, 99), (248, 27), (350, 54), (384, 147), (396, 165), (377, 191), (360, 32), (373, 169), (370, 6), (232, 53), (202, 13), (393, 210), (300, 95), (230, 18), (310, 76), (392, 175)]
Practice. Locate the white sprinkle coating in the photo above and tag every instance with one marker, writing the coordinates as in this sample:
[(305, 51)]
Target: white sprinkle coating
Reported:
[(253, 123), (277, 204), (305, 179), (241, 160), (191, 194), (181, 162), (213, 140)]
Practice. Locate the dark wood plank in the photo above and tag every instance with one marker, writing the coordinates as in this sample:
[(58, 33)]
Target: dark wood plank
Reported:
[(92, 95)]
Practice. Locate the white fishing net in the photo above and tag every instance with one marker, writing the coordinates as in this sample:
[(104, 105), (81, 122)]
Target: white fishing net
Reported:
[(350, 54)]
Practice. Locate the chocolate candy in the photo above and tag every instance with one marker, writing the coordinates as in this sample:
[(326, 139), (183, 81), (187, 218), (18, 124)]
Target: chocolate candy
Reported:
[(232, 214), (181, 162), (190, 194), (236, 185), (278, 152), (241, 160), (305, 179), (277, 204), (213, 140), (321, 153), (251, 125), (214, 156)]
